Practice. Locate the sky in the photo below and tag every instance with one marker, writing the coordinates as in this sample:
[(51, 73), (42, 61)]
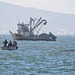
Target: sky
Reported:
[(63, 6)]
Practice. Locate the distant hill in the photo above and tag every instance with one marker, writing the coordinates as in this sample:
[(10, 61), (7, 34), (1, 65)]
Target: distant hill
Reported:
[(56, 22)]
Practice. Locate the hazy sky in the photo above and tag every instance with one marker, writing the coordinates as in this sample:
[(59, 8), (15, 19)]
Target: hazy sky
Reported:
[(64, 6)]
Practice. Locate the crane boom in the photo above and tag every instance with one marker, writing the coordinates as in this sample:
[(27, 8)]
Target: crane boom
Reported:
[(45, 22)]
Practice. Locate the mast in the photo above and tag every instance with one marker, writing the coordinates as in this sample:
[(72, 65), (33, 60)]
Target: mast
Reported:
[(31, 20), (15, 15)]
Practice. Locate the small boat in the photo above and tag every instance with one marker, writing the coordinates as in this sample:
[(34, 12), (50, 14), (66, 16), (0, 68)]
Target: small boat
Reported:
[(9, 48)]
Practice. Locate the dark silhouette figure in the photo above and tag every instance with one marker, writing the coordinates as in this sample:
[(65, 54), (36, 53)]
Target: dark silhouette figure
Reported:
[(5, 42)]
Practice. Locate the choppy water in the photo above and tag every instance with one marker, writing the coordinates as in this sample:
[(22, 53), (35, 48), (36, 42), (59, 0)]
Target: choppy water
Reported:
[(39, 57)]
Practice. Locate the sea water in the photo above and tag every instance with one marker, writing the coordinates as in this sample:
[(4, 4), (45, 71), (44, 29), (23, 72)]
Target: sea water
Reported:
[(39, 57)]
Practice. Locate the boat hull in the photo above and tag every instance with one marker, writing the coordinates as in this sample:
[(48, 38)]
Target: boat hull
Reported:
[(17, 36), (9, 48), (31, 39)]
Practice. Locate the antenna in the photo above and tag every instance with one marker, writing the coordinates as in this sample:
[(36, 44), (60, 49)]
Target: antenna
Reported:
[(15, 15)]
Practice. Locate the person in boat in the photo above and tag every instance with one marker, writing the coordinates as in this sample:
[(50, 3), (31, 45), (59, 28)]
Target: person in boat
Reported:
[(14, 43), (9, 43), (5, 42)]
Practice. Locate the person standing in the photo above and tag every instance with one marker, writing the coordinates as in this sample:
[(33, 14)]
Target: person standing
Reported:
[(5, 42)]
